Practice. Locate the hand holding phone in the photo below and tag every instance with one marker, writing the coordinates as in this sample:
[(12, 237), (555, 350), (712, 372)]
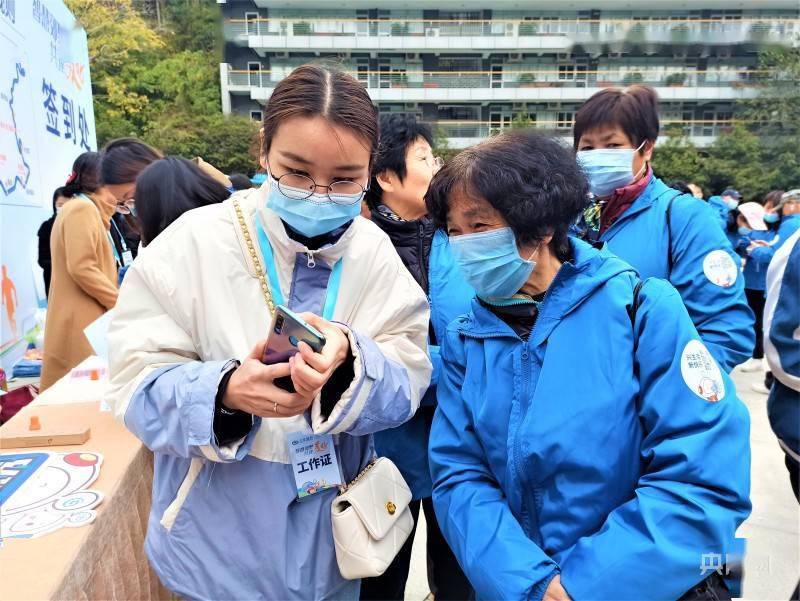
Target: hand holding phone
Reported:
[(310, 370), (253, 388)]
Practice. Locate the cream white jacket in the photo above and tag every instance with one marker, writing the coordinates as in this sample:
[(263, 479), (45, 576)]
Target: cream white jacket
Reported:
[(191, 302)]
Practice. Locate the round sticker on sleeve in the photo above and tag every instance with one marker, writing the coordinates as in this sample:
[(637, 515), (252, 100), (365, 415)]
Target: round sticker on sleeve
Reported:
[(701, 373), (720, 268)]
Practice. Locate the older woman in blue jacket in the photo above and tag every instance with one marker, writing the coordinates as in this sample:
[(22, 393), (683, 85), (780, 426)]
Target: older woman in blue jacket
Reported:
[(583, 442)]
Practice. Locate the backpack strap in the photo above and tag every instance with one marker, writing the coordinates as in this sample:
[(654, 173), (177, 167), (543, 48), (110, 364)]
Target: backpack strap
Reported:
[(634, 307), (670, 260)]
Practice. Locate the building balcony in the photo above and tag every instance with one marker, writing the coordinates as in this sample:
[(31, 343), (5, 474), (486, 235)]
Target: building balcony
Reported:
[(518, 36), (517, 86), (462, 134)]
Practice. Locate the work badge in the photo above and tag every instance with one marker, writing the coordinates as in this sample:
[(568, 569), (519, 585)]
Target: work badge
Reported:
[(314, 462)]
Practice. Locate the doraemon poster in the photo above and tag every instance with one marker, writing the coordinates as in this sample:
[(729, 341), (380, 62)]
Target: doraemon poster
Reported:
[(43, 491)]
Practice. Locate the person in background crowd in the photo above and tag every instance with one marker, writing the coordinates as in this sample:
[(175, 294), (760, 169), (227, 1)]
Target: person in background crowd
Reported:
[(60, 197), (167, 189), (750, 232), (721, 210), (771, 201), (187, 343), (695, 190), (781, 324), (731, 198), (680, 186), (724, 204), (784, 215), (239, 181), (787, 210), (84, 273), (582, 447), (660, 231), (401, 174), (121, 162)]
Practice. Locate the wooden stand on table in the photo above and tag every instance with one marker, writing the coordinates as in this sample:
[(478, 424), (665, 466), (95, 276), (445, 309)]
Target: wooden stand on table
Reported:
[(29, 431)]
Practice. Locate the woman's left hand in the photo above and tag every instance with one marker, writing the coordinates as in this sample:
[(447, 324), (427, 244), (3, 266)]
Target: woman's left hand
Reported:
[(310, 371)]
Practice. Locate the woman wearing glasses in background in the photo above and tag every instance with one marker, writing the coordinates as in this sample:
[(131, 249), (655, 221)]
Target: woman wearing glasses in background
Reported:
[(396, 197), (189, 332)]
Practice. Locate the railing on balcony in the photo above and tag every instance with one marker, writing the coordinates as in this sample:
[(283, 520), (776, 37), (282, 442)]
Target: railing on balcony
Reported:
[(545, 78), (632, 30), (484, 129)]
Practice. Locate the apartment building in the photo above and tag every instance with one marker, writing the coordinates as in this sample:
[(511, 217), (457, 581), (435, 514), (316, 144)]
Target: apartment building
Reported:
[(472, 70)]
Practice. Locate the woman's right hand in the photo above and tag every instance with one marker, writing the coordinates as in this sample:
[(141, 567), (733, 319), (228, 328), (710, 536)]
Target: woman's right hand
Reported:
[(252, 389)]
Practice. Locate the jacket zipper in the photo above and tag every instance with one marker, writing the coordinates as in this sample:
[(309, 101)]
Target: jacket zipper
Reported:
[(310, 258)]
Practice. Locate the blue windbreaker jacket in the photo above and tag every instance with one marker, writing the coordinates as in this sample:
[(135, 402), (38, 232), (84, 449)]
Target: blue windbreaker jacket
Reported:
[(693, 254), (609, 447)]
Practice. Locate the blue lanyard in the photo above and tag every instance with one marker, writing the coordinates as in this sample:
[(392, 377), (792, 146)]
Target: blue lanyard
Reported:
[(114, 250), (121, 237), (334, 281), (119, 260)]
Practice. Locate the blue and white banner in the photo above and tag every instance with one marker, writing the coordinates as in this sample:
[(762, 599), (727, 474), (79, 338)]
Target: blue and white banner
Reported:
[(46, 120)]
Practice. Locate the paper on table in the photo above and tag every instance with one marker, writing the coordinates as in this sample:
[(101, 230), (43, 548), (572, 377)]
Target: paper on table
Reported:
[(97, 334)]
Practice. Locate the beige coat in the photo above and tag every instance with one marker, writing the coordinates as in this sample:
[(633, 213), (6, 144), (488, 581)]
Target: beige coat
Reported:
[(83, 284)]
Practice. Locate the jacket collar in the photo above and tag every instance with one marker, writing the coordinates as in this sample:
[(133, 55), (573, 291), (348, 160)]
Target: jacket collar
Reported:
[(106, 207), (402, 233), (654, 190), (574, 283)]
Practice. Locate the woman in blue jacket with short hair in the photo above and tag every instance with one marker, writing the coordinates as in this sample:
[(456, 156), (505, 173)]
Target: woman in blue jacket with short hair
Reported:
[(658, 230), (586, 443)]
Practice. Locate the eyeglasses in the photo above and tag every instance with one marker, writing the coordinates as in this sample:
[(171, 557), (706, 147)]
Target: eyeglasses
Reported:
[(434, 163), (300, 187), (127, 208)]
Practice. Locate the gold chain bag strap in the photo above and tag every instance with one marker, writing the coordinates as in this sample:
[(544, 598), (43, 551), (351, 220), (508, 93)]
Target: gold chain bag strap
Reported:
[(248, 240), (370, 517)]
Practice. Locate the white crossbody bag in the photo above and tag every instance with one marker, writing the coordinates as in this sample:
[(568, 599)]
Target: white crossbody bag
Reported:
[(371, 520)]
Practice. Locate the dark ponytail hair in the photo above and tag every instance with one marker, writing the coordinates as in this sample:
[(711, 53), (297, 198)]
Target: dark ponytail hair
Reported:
[(169, 187), (84, 178), (319, 90), (123, 159)]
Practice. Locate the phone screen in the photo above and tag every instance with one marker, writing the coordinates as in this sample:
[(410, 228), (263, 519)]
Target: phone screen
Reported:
[(287, 331)]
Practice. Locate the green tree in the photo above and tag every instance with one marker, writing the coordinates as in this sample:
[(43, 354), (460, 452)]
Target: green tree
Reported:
[(522, 121), (677, 158), (776, 110), (225, 141), (155, 76), (740, 159), (441, 145), (118, 37)]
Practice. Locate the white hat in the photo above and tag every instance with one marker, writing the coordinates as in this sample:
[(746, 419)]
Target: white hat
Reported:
[(754, 213)]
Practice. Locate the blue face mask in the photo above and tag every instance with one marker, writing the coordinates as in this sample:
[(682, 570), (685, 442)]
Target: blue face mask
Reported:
[(744, 231), (731, 203), (491, 264), (315, 215), (608, 168), (771, 218)]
